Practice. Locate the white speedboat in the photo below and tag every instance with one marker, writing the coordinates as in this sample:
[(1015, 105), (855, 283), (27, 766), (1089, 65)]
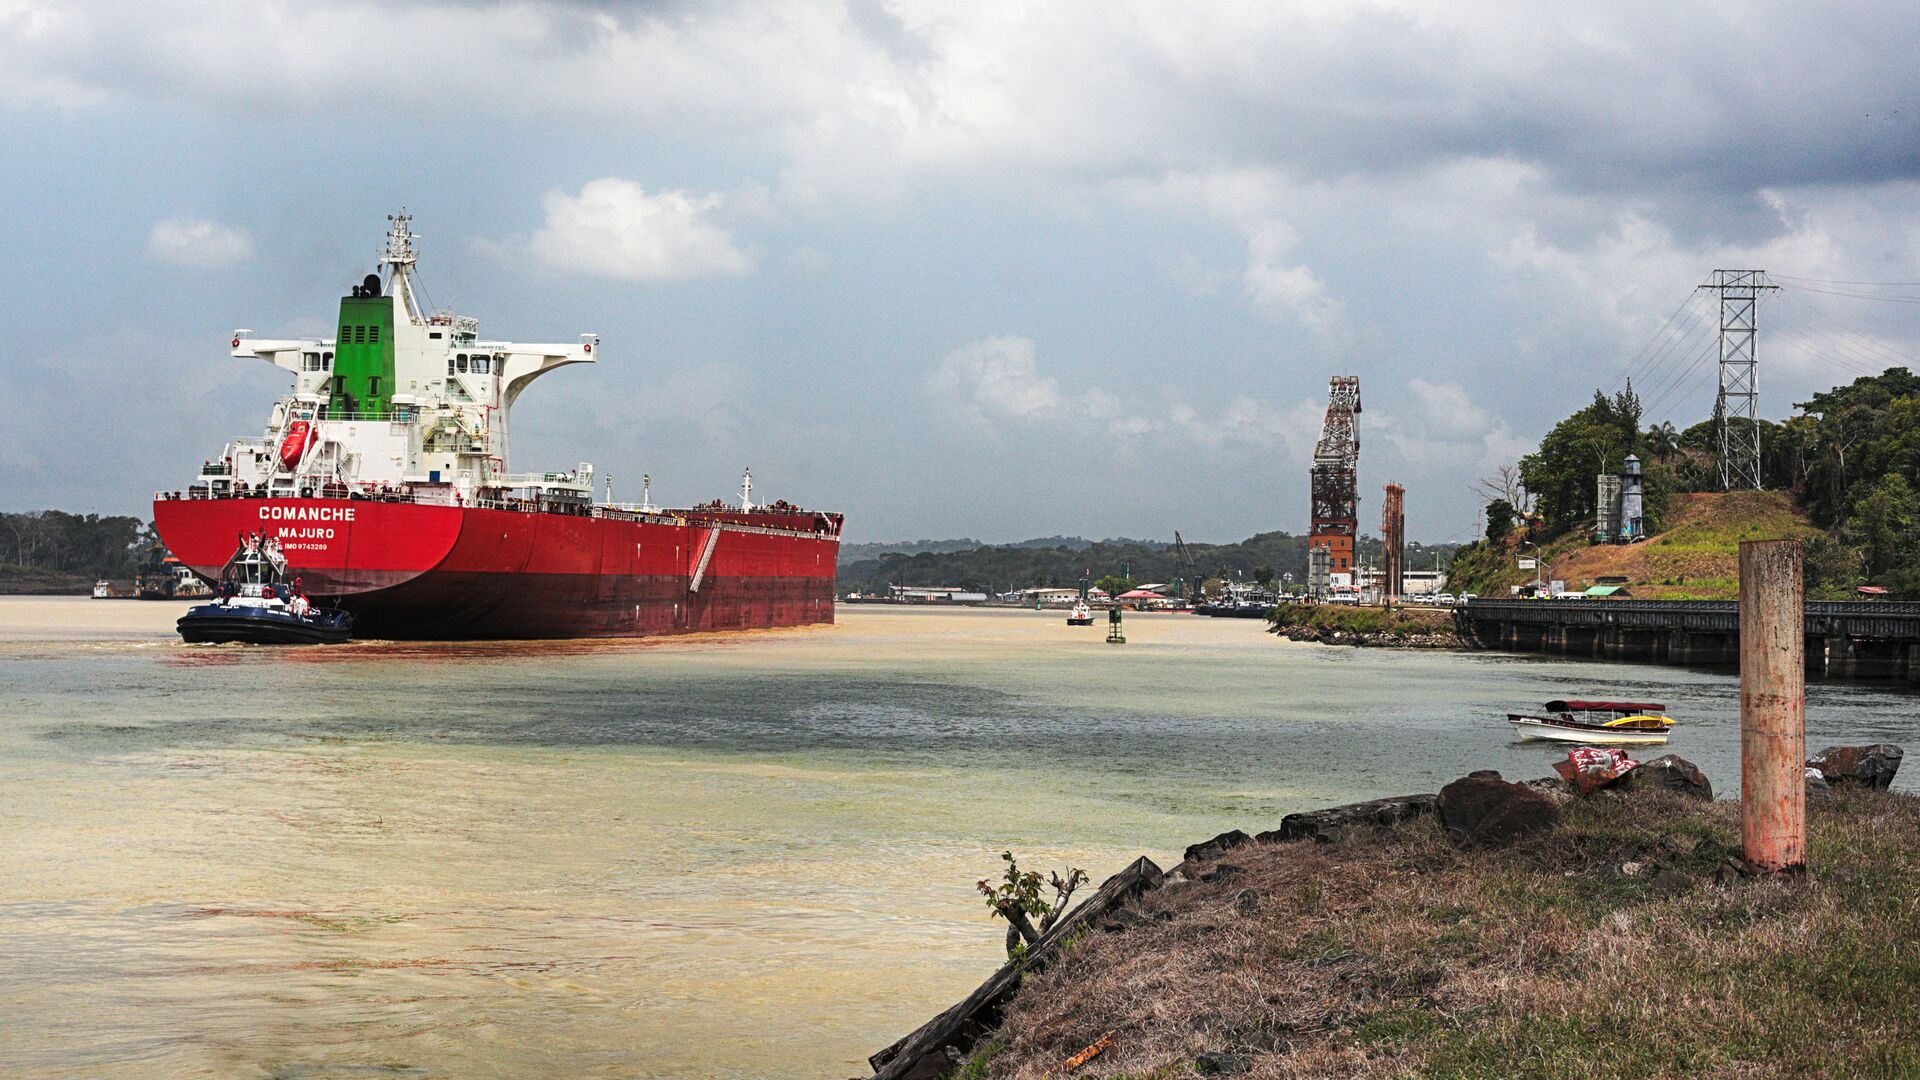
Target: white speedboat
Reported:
[(1596, 723)]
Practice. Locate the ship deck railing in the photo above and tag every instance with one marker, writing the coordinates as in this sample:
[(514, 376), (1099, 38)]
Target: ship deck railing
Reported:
[(549, 479), (396, 416)]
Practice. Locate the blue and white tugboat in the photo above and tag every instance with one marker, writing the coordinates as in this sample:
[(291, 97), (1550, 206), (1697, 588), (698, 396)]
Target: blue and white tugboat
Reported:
[(256, 605)]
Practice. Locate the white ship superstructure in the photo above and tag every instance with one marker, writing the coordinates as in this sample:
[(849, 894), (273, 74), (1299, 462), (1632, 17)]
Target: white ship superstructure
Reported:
[(400, 403)]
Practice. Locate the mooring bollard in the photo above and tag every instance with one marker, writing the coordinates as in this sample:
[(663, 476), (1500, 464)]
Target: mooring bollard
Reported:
[(1773, 707)]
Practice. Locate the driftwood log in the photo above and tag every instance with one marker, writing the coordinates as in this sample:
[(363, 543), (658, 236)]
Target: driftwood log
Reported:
[(923, 1054)]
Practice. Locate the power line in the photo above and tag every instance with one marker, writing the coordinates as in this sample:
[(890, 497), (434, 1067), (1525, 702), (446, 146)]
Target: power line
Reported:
[(1676, 350), (1864, 347), (1820, 341), (1679, 375), (1858, 295), (1875, 284), (1809, 342), (1662, 395), (1627, 372), (1692, 388)]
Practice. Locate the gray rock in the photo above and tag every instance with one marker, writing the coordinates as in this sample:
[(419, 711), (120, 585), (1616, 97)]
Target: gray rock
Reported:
[(1219, 845), (1333, 823), (1865, 766), (1552, 787), (1123, 919), (1484, 810), (1684, 845), (1222, 872), (1671, 883), (1670, 772), (1818, 790)]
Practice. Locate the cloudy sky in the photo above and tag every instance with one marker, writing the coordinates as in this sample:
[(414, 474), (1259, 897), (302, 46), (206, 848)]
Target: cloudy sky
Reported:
[(987, 269)]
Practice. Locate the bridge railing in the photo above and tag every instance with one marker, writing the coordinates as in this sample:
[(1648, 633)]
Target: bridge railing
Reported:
[(1853, 618)]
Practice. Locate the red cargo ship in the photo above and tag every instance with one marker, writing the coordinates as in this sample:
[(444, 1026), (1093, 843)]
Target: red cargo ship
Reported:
[(383, 474)]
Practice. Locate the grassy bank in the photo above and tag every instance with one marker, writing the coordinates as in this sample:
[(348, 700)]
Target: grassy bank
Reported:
[(1604, 947), (33, 581), (1328, 619)]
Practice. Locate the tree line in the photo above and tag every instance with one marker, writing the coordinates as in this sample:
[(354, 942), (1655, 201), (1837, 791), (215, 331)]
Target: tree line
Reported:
[(1114, 565), (89, 544)]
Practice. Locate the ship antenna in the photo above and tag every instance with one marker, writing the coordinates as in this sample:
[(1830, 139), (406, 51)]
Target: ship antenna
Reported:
[(646, 494), (746, 490), (400, 256), (609, 489)]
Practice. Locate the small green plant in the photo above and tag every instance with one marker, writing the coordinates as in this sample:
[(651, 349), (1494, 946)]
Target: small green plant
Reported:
[(1017, 899), (981, 1059)]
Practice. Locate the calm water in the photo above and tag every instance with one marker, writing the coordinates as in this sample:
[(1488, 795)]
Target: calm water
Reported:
[(743, 856)]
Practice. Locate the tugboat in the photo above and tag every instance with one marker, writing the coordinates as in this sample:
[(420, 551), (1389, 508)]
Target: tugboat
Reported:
[(1081, 615), (258, 607)]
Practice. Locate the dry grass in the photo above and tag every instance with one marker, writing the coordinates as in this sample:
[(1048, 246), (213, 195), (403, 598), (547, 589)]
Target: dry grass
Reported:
[(1698, 555), (1397, 955)]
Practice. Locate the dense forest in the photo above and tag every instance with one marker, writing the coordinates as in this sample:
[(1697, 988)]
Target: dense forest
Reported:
[(1850, 457), (53, 550), (1006, 567), (73, 543)]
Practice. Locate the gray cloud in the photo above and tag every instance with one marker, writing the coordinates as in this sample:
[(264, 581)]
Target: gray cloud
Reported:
[(1500, 201), (1604, 97)]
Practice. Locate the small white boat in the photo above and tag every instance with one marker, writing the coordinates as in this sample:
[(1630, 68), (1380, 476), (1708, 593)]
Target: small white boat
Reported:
[(1597, 723), (1081, 615), (103, 590)]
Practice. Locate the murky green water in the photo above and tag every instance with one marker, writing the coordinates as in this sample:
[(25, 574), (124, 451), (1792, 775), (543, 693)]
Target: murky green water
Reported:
[(743, 856)]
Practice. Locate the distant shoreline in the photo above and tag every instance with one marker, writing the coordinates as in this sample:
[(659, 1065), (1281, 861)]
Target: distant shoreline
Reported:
[(14, 582)]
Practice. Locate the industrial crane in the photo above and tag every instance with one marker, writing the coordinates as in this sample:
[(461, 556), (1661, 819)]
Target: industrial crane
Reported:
[(1186, 559)]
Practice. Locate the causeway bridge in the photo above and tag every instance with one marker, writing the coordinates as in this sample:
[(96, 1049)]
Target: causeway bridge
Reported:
[(1845, 639)]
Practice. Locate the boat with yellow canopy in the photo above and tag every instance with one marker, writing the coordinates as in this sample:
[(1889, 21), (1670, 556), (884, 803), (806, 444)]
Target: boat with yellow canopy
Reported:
[(1598, 723)]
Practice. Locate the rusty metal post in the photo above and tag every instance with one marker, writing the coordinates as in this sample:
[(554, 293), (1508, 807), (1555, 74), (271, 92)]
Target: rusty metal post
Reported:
[(1773, 707)]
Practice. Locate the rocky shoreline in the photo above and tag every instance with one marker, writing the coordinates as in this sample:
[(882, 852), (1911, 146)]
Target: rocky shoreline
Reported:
[(1367, 627), (1376, 639), (1353, 938)]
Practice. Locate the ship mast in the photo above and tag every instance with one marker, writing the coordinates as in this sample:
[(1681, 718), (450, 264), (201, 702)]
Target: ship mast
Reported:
[(399, 256)]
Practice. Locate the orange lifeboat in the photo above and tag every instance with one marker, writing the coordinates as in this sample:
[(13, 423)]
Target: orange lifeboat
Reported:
[(299, 439)]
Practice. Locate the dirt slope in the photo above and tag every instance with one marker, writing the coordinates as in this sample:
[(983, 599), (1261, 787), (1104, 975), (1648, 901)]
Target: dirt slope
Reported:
[(1698, 556)]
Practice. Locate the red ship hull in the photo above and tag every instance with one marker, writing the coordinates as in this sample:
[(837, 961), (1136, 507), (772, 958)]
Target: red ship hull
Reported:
[(408, 570)]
